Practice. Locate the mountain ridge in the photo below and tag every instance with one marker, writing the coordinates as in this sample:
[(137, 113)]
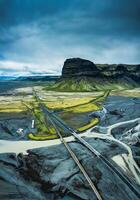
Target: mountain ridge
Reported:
[(77, 66), (83, 75)]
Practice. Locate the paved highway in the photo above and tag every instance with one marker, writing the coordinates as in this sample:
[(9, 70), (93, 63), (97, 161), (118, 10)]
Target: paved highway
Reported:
[(62, 124)]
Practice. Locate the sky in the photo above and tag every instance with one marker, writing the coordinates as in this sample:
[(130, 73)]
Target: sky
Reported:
[(36, 36)]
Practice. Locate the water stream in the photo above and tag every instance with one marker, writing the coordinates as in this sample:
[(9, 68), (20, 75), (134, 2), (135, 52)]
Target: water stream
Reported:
[(16, 147)]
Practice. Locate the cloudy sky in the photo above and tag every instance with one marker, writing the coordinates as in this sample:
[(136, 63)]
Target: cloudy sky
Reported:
[(36, 36)]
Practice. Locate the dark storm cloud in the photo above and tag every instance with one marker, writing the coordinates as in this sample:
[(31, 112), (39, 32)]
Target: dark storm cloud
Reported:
[(48, 31), (104, 15)]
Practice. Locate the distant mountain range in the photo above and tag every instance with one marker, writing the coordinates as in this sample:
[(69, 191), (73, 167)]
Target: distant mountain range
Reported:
[(29, 78), (83, 75), (6, 78), (37, 78)]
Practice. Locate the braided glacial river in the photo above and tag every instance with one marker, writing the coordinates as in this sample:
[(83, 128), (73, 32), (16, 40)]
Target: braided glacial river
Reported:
[(125, 161)]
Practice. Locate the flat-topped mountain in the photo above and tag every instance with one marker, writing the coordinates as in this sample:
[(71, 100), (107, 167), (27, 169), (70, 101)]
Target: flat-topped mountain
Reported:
[(79, 67), (74, 67), (83, 75)]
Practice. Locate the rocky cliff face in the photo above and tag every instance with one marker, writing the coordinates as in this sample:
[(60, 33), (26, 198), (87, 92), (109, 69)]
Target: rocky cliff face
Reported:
[(75, 67), (79, 67), (84, 76)]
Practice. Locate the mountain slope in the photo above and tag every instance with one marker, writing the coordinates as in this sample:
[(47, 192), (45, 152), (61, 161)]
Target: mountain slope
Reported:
[(85, 84), (83, 75)]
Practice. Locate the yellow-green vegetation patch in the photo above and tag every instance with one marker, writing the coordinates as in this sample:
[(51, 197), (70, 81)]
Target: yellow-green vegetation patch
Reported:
[(41, 137), (84, 108), (92, 123), (74, 108), (53, 102), (89, 106), (12, 105), (64, 103)]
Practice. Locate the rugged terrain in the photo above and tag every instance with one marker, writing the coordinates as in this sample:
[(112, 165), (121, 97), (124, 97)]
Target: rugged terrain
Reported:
[(50, 173), (46, 171), (83, 75)]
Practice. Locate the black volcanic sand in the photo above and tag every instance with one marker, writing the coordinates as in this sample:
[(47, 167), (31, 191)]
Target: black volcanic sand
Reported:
[(11, 122), (8, 86), (121, 109), (50, 173)]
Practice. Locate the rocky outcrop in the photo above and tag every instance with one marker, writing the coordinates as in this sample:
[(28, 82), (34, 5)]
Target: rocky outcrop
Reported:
[(79, 67), (74, 67), (80, 75)]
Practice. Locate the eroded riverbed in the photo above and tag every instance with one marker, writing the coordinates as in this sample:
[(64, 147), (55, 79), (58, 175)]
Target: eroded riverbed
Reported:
[(109, 138)]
